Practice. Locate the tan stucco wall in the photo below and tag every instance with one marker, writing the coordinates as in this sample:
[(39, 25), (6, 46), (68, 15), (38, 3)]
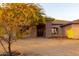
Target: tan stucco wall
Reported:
[(33, 32), (73, 31), (59, 31), (75, 28), (66, 29), (48, 29)]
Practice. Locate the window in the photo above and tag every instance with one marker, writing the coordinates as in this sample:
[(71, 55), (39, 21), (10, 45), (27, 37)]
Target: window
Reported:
[(24, 28), (54, 30)]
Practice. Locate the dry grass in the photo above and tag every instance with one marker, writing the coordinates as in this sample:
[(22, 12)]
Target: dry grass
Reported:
[(49, 47)]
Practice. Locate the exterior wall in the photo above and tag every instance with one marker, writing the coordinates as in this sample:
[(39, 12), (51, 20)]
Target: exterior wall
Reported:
[(48, 29), (59, 31), (75, 28), (73, 31), (67, 31), (70, 31), (33, 32)]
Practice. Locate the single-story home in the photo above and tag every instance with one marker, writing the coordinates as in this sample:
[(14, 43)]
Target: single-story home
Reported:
[(56, 28)]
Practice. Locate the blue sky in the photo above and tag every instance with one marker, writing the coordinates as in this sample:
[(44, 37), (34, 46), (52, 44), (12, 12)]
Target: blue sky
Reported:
[(62, 11)]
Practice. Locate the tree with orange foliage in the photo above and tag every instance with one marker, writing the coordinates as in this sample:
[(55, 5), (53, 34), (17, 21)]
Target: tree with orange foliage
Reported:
[(14, 14)]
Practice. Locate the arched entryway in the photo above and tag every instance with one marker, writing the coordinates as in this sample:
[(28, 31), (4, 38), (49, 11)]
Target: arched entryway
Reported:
[(41, 30)]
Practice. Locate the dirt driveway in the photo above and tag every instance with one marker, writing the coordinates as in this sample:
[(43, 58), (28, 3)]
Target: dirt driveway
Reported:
[(46, 47)]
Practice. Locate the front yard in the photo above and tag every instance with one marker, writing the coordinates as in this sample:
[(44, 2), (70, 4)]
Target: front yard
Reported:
[(46, 47)]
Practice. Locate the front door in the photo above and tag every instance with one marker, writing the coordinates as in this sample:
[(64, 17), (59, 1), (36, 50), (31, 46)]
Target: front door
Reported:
[(40, 30)]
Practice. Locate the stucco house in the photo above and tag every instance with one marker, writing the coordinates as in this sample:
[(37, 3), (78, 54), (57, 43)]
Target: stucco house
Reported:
[(56, 28)]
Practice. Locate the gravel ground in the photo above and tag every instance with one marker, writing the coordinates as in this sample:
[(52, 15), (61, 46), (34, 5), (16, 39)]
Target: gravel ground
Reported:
[(46, 47)]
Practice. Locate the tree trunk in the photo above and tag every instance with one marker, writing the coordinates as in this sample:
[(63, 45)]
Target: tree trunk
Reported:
[(9, 46)]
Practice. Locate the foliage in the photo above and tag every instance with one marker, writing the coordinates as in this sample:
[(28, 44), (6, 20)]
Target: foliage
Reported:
[(12, 15)]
